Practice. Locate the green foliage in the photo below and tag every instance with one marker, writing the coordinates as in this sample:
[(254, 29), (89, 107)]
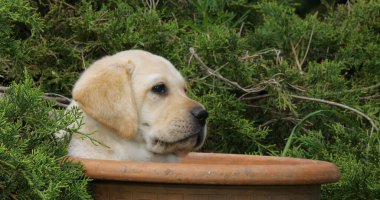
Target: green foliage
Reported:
[(354, 151), (232, 132), (331, 53), (32, 161)]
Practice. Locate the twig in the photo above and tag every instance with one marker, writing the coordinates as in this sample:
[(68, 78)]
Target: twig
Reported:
[(373, 124), (68, 5), (375, 96), (258, 97), (295, 54), (308, 47), (370, 120), (296, 87), (2, 89), (291, 119), (82, 58), (263, 52), (152, 4), (364, 89), (57, 101), (349, 8), (241, 28), (212, 72), (59, 98)]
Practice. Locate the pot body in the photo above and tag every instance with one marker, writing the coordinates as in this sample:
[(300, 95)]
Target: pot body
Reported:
[(163, 191)]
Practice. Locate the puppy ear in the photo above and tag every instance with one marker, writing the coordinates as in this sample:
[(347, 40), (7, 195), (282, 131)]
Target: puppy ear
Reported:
[(104, 92)]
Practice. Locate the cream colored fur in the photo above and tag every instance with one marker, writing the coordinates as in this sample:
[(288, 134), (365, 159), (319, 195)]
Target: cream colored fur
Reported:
[(127, 117)]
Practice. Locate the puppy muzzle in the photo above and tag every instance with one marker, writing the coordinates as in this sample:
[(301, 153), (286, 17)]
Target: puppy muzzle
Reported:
[(190, 134)]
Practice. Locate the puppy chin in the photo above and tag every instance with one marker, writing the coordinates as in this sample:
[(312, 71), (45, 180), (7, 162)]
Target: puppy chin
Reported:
[(161, 147)]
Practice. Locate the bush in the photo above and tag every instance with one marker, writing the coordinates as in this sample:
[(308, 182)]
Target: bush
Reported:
[(274, 67), (32, 160)]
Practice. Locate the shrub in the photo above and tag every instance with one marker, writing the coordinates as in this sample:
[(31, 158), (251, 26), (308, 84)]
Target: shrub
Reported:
[(271, 68), (32, 160)]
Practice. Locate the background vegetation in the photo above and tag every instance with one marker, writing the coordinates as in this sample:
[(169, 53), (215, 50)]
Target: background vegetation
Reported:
[(291, 78)]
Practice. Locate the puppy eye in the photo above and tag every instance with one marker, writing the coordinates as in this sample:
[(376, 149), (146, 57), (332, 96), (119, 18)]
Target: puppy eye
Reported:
[(160, 89), (185, 90)]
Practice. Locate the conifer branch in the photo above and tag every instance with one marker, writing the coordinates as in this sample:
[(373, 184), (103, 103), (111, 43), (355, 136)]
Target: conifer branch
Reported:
[(60, 100)]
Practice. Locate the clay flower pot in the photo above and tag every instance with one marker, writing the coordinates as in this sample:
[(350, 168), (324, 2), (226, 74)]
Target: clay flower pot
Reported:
[(211, 176)]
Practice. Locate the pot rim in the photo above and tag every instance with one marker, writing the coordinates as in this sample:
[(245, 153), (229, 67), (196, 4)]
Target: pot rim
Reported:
[(216, 169)]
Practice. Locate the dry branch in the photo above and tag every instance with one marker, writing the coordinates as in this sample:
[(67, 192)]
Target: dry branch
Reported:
[(263, 52), (252, 89), (295, 54), (308, 47), (372, 122), (365, 88)]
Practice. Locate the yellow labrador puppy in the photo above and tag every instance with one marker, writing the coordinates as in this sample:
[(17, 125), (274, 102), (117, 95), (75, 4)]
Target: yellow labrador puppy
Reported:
[(135, 104)]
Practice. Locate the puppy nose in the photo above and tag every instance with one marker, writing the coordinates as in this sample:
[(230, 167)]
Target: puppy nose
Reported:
[(200, 114)]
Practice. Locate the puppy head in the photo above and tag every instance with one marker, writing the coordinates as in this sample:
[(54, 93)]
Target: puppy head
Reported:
[(137, 93)]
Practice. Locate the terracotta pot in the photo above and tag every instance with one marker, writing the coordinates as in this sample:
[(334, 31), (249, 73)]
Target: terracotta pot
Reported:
[(211, 176)]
